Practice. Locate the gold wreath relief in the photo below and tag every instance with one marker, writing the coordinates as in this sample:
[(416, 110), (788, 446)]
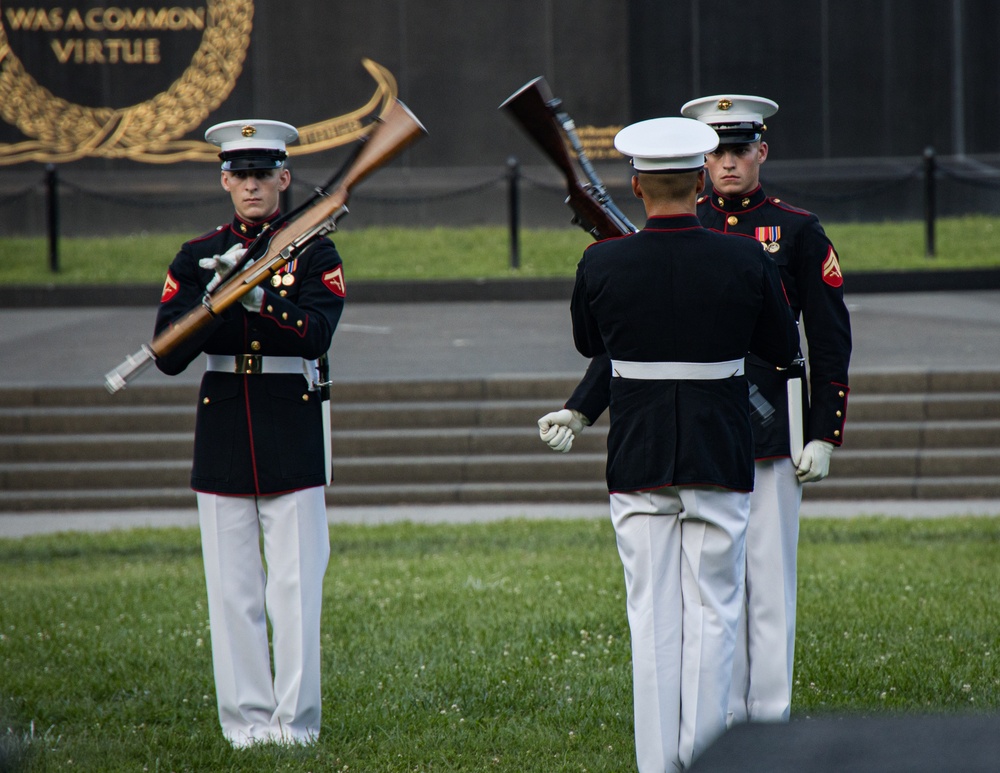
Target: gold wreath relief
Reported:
[(65, 131), (150, 131)]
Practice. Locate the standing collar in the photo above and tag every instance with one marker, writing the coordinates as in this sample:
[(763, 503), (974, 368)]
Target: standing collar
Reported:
[(673, 222), (755, 198), (249, 230)]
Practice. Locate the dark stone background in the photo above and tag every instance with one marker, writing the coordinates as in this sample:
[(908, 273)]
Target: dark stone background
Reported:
[(864, 87)]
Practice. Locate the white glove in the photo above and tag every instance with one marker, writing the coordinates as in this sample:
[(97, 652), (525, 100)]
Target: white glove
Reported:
[(815, 462), (253, 299), (559, 428), (222, 264)]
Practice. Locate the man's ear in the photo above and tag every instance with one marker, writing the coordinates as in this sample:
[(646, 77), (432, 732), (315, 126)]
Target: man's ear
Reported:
[(762, 152), (284, 179), (636, 188), (225, 182)]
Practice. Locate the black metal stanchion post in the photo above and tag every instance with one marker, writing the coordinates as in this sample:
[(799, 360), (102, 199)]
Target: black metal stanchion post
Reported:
[(52, 206), (930, 194), (514, 207)]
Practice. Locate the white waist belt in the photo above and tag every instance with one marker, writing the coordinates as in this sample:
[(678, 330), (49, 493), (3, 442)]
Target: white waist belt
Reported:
[(677, 371), (257, 363)]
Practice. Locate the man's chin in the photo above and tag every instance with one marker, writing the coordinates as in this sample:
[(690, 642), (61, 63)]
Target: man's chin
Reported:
[(730, 189)]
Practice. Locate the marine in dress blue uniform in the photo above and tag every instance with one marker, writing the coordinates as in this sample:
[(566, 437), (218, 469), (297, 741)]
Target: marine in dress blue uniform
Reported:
[(259, 464), (785, 458), (675, 308)]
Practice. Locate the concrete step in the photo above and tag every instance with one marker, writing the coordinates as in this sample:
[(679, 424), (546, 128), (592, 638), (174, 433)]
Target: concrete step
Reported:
[(903, 488), (49, 414), (373, 471), (422, 415), (592, 491), (917, 463), (347, 444), (857, 469), (966, 420), (910, 435), (104, 447), (580, 492), (924, 407), (51, 420), (924, 382), (345, 416), (437, 441), (556, 388), (65, 500), (95, 396), (119, 474), (864, 435), (491, 388)]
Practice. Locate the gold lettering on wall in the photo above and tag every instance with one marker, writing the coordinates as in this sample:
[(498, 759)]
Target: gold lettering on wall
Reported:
[(150, 131), (599, 142), (106, 50), (174, 19)]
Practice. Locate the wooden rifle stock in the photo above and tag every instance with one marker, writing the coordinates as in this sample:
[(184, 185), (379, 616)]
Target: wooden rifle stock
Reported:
[(396, 130), (534, 108)]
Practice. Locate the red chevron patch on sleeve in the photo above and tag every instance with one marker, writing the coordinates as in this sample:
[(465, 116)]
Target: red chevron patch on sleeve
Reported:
[(334, 281), (831, 269), (170, 288)]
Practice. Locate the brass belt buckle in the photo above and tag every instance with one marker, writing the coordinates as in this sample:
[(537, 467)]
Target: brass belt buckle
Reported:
[(249, 364)]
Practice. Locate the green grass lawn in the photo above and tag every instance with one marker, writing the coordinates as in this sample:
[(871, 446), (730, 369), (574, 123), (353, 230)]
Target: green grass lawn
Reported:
[(448, 253), (500, 646)]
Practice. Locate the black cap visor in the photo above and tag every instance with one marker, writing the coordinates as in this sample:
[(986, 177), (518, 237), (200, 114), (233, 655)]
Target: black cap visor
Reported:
[(738, 133), (254, 158)]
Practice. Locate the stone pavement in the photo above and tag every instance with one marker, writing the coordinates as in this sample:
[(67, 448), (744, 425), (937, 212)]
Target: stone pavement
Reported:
[(23, 524), (932, 331), (900, 332)]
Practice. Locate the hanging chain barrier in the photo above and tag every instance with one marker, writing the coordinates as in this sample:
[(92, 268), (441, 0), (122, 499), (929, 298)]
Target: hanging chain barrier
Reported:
[(511, 180)]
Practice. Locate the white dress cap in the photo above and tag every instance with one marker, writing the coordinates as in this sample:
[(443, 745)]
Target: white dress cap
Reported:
[(730, 108), (667, 144), (737, 117), (252, 144)]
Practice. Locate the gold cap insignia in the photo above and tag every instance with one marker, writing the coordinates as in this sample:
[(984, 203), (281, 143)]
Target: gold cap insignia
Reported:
[(725, 104), (248, 130)]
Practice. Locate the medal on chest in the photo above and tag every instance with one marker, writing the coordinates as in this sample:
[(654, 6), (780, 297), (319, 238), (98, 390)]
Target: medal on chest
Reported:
[(285, 276), (769, 235)]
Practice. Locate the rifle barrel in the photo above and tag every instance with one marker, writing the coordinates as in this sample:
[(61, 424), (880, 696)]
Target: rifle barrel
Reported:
[(539, 113), (397, 129)]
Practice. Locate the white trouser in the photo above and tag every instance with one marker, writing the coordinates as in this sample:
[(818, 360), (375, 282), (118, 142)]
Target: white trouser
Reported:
[(762, 671), (253, 707), (683, 554)]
